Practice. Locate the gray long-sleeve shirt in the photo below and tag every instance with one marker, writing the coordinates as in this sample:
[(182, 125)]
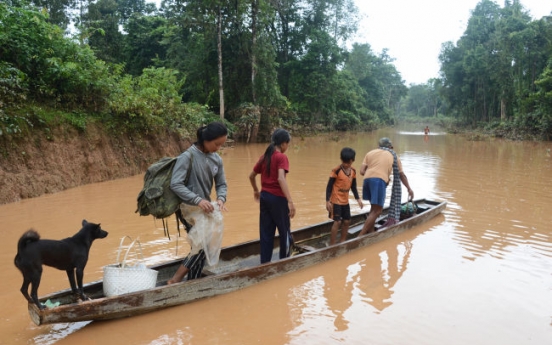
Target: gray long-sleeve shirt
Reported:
[(206, 169)]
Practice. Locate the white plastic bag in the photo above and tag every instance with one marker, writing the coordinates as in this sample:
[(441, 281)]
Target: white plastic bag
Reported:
[(206, 232)]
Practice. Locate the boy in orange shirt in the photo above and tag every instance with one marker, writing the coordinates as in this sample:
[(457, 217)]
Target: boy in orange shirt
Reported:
[(342, 180)]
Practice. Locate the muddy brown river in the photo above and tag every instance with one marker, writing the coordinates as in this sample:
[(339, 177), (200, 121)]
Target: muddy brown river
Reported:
[(479, 273)]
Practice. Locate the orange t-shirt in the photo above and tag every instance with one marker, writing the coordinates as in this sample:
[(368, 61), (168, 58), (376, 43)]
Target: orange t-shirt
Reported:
[(380, 164), (342, 185)]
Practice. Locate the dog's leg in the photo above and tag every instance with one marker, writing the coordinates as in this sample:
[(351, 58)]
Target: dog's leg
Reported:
[(35, 283), (80, 274), (77, 292), (71, 276), (25, 290)]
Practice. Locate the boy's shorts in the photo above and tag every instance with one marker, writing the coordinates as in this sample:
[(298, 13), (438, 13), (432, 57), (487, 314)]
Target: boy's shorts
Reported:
[(373, 189), (340, 212)]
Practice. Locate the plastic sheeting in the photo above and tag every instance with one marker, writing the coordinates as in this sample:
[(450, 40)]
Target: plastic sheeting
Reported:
[(206, 232)]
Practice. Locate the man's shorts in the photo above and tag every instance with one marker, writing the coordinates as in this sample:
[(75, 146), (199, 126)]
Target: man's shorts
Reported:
[(373, 189), (340, 212)]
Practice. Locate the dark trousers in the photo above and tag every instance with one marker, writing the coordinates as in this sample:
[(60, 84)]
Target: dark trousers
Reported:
[(274, 214), (195, 264)]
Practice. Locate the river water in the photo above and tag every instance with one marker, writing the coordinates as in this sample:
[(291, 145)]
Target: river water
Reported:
[(479, 273)]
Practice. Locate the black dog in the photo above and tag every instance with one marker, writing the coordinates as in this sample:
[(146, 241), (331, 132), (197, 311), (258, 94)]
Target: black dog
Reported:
[(70, 255)]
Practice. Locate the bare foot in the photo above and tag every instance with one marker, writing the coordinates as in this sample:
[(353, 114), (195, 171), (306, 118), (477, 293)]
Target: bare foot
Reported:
[(178, 275)]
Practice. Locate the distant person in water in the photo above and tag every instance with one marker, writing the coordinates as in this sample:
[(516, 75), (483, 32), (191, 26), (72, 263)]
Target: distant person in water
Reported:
[(426, 130)]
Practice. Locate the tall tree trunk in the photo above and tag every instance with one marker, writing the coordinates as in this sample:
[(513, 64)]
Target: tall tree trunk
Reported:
[(502, 109), (254, 11), (485, 114), (219, 49)]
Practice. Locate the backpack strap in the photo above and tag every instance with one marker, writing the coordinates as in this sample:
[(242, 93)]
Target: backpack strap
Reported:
[(187, 179), (178, 214), (180, 218)]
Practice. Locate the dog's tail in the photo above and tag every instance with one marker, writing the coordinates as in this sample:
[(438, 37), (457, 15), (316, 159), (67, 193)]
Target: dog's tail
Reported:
[(26, 238)]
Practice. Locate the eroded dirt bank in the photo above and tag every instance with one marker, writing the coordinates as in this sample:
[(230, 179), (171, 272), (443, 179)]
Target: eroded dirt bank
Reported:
[(51, 163)]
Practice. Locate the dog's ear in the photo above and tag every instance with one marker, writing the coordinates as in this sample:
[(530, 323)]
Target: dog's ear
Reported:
[(84, 222)]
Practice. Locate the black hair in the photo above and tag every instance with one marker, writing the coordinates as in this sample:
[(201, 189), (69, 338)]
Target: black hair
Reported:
[(212, 131), (279, 137), (347, 154)]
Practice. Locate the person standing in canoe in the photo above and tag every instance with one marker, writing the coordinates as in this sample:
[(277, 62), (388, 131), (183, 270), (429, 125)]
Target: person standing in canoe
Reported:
[(276, 204), (376, 168), (206, 170), (342, 181)]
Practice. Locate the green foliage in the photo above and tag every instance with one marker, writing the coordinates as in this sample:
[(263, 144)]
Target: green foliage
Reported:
[(543, 93), (13, 85), (146, 102), (424, 100), (195, 57), (492, 72), (346, 120), (143, 42), (54, 67), (57, 10), (313, 78), (191, 116), (350, 106), (101, 27), (40, 66), (13, 125), (285, 59), (78, 120), (380, 82), (539, 103)]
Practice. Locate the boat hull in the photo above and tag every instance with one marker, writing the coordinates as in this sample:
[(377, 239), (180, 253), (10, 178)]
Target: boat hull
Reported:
[(238, 268)]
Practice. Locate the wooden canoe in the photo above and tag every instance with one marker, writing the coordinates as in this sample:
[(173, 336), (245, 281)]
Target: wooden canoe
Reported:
[(239, 266)]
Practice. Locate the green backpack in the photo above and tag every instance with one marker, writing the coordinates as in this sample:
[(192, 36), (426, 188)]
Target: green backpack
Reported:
[(157, 198)]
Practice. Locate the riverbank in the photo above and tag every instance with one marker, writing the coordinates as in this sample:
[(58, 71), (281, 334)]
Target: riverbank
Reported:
[(65, 158)]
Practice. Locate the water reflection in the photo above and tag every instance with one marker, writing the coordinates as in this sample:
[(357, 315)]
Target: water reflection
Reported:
[(337, 304), (380, 272), (494, 212), (338, 292), (58, 332)]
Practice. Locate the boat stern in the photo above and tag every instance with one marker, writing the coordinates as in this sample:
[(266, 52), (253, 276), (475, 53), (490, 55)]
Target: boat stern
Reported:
[(36, 314)]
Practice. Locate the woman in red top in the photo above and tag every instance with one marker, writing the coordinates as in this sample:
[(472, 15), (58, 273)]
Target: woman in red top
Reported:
[(276, 205)]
